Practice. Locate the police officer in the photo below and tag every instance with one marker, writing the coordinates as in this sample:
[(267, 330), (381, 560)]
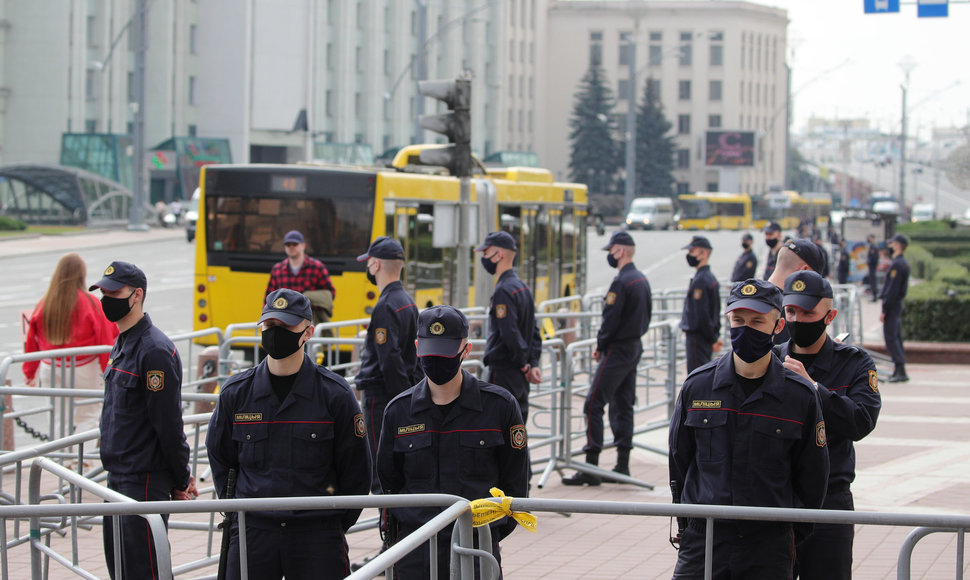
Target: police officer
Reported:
[(842, 270), (795, 255), (290, 428), (893, 293), (450, 433), (143, 445), (626, 317), (872, 262), (747, 263), (701, 318), (389, 362), (746, 431), (514, 345), (845, 378), (773, 241)]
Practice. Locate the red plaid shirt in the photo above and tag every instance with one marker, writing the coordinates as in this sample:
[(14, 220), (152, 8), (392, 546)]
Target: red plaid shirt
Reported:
[(313, 275)]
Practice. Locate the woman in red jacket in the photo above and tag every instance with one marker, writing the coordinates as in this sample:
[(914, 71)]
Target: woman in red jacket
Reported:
[(69, 317)]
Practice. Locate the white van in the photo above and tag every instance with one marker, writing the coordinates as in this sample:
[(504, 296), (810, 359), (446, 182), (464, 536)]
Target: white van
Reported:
[(923, 212), (650, 213)]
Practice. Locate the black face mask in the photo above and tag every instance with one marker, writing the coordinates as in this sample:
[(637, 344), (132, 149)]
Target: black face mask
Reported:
[(441, 369), (772, 242), (806, 333), (489, 265), (750, 344), (371, 278), (613, 262), (692, 261), (116, 308), (746, 246), (279, 343)]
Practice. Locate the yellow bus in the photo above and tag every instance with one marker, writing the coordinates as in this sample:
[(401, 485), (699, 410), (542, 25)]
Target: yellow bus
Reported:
[(821, 212), (714, 211), (788, 208), (244, 211)]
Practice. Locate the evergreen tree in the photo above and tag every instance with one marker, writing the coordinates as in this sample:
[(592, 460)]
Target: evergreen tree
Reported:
[(655, 147), (595, 157)]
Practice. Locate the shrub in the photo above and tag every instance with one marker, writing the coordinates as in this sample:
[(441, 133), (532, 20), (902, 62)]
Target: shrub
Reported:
[(936, 311), (9, 223), (922, 264)]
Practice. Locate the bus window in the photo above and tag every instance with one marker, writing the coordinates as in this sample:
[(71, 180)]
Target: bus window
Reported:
[(695, 209)]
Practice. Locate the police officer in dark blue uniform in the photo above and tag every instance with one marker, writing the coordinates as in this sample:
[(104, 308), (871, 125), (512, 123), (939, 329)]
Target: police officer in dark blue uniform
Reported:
[(872, 262), (626, 317), (845, 378), (746, 431), (290, 428), (701, 318), (773, 241), (143, 445), (747, 263), (842, 270), (450, 433), (514, 345), (893, 293), (389, 362)]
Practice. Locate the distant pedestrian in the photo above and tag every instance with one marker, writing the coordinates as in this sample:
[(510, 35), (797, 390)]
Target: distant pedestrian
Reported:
[(893, 293), (304, 274), (845, 261), (626, 317), (772, 240), (747, 262), (701, 317), (143, 446), (514, 345), (872, 263)]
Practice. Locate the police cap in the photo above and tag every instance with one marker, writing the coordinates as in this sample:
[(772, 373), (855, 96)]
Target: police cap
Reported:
[(805, 288), (772, 226), (120, 274), (383, 248), (754, 294), (498, 239), (620, 238), (441, 330), (698, 242), (810, 253), (900, 238), (288, 306)]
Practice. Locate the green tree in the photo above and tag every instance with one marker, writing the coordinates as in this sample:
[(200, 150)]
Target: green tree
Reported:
[(595, 157), (655, 147)]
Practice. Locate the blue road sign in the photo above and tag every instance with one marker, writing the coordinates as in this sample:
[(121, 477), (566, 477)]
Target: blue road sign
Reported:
[(881, 6), (932, 8)]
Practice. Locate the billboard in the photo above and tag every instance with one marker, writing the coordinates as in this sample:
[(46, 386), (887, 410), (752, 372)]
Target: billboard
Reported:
[(729, 149)]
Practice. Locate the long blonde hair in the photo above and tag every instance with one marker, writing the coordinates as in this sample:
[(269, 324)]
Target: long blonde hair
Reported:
[(61, 298)]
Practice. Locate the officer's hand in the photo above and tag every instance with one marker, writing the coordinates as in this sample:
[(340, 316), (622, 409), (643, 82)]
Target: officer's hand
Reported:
[(882, 317), (796, 366), (596, 355), (189, 493), (534, 375), (717, 346)]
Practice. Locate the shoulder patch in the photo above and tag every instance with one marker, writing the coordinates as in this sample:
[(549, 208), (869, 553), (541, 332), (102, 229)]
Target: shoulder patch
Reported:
[(873, 381), (892, 273), (518, 436), (501, 311), (359, 429), (611, 298), (156, 380), (820, 434), (749, 264), (380, 335), (698, 293)]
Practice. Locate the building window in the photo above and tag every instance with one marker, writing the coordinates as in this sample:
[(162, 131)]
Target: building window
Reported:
[(683, 90), (131, 87), (359, 59), (191, 90), (595, 48), (511, 121), (192, 34), (329, 103), (512, 13), (193, 130), (330, 56), (656, 54), (714, 121), (715, 90), (717, 48), (360, 14), (683, 124), (91, 31), (653, 85), (683, 159), (712, 186), (521, 51), (358, 105), (387, 62), (511, 50), (90, 126), (531, 88), (625, 47), (686, 48), (511, 86), (683, 187), (89, 82), (623, 89)]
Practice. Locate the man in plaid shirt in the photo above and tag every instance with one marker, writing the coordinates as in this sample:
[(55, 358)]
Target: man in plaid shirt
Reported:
[(298, 271)]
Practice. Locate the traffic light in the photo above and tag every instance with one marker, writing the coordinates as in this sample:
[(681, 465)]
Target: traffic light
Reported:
[(456, 125)]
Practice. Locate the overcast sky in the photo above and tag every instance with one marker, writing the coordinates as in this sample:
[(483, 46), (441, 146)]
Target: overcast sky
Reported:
[(824, 33)]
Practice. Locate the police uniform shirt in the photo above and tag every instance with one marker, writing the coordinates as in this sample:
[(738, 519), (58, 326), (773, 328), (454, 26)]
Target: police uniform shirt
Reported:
[(389, 362), (872, 256), (843, 267), (849, 391), (702, 306), (480, 444), (513, 337), (767, 449), (626, 308), (897, 282), (141, 422), (310, 444), (745, 267), (770, 262)]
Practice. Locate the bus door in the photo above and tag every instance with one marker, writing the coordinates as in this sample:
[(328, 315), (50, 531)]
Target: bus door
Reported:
[(554, 253), (529, 248), (402, 225)]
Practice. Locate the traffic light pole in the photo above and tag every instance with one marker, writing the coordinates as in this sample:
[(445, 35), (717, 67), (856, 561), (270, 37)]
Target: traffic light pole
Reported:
[(465, 225), (137, 209)]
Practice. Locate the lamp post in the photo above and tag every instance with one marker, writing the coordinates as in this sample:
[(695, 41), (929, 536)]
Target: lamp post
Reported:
[(631, 123), (907, 65)]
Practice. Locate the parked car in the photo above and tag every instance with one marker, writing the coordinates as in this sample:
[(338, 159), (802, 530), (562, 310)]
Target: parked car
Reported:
[(650, 213), (923, 212)]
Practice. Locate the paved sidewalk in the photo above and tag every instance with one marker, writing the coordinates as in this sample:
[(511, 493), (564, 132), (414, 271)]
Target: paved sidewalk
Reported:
[(89, 238)]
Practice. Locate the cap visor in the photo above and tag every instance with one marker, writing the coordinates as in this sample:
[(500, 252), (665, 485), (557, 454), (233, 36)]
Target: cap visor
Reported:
[(750, 304), (802, 301), (363, 257), (481, 248), (607, 246), (284, 317), (107, 284), (447, 347)]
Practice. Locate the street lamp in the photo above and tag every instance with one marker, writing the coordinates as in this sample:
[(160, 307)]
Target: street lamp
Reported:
[(631, 123), (907, 65)]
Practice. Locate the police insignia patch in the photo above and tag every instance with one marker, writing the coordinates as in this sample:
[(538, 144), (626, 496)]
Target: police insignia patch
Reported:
[(748, 290), (892, 274), (798, 286), (873, 381), (749, 264), (820, 434), (359, 429), (698, 293), (437, 328), (611, 298), (380, 335), (280, 303), (500, 311), (156, 380), (109, 270), (518, 435)]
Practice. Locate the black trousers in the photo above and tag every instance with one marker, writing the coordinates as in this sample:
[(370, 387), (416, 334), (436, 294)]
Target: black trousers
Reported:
[(373, 402), (615, 384), (766, 553), (138, 557), (826, 554), (305, 550), (872, 282), (699, 350), (514, 381), (892, 332)]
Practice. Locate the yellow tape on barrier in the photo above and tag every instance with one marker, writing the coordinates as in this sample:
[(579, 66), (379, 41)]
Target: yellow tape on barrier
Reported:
[(485, 511)]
